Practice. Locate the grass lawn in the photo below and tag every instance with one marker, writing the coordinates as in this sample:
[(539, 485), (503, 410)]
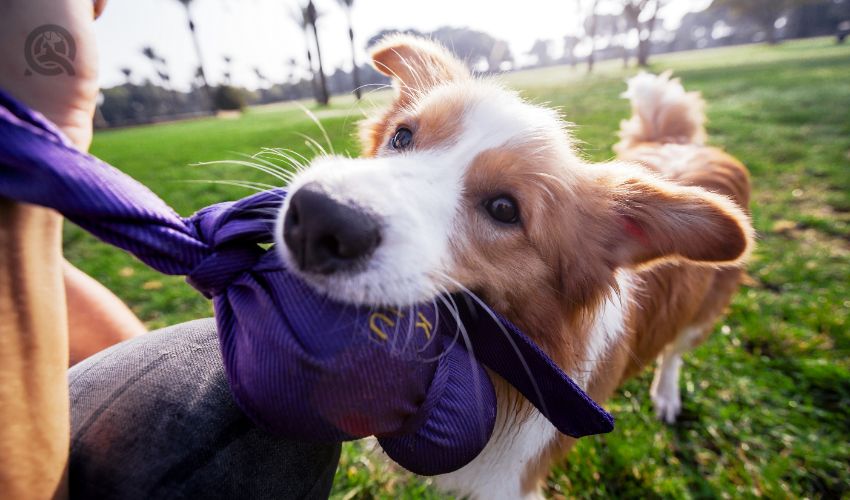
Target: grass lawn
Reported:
[(766, 400)]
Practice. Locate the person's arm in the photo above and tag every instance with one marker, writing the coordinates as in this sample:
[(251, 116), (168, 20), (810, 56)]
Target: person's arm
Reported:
[(34, 435), (97, 319)]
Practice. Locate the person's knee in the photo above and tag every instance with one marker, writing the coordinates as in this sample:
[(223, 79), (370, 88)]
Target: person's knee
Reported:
[(154, 418)]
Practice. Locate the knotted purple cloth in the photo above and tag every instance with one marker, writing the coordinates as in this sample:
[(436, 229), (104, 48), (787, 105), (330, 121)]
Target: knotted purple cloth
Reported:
[(298, 363)]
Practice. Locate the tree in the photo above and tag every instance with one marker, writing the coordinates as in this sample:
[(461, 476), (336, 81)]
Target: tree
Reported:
[(201, 73), (306, 18), (611, 27), (261, 77), (570, 43), (355, 71), (127, 74), (765, 13), (159, 65), (228, 69), (265, 85), (291, 65), (312, 17), (590, 24), (641, 15), (540, 50)]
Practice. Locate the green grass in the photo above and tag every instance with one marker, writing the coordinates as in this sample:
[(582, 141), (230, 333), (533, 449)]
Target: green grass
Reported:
[(766, 399)]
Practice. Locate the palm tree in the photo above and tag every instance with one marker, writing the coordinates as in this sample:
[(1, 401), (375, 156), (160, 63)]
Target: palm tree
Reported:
[(292, 65), (261, 76), (300, 19), (228, 72), (264, 84), (159, 65), (306, 18), (201, 72), (312, 16), (355, 71), (127, 74)]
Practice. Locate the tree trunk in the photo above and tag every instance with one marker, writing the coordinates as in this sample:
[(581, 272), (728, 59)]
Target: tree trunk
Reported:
[(201, 71), (323, 84), (591, 58), (643, 53), (355, 71), (645, 38), (313, 82), (770, 33)]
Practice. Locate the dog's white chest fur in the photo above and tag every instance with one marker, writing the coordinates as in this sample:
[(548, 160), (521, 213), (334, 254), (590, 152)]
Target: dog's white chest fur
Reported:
[(497, 472)]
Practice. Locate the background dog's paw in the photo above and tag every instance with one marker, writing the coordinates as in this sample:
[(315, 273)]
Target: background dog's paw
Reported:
[(667, 403)]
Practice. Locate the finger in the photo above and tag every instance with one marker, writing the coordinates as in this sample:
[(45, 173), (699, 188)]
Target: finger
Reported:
[(99, 5)]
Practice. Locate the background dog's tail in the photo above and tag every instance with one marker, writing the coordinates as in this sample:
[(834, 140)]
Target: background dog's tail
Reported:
[(662, 112)]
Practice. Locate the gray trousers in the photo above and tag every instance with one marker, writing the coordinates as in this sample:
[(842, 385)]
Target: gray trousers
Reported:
[(153, 418)]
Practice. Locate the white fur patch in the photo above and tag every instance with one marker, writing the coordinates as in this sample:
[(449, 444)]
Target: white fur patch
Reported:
[(609, 325), (416, 196), (652, 97), (665, 392), (648, 92), (497, 472)]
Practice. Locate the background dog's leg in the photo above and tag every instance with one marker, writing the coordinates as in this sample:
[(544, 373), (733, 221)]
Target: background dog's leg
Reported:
[(665, 385)]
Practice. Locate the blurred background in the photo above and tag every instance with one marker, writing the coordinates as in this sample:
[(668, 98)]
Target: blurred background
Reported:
[(171, 59), (194, 90)]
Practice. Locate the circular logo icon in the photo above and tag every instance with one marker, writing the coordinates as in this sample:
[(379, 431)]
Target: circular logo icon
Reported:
[(50, 50)]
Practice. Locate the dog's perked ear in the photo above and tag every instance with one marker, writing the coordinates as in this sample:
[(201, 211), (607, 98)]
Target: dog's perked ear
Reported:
[(416, 65), (657, 220)]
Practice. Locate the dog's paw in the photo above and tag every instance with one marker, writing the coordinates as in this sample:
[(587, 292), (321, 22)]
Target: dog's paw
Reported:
[(667, 403)]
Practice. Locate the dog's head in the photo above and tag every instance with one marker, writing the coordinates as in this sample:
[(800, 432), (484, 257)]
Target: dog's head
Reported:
[(463, 185)]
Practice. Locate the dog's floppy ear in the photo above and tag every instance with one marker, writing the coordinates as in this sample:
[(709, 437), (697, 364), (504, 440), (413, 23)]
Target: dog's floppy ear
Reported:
[(657, 220), (415, 64)]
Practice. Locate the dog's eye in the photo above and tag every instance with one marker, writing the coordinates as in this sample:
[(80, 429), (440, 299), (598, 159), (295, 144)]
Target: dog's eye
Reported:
[(503, 209), (402, 139)]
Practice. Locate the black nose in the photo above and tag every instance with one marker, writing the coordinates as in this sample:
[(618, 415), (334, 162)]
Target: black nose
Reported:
[(326, 236)]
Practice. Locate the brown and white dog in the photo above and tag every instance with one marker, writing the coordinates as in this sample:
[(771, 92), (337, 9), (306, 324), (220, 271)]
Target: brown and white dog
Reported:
[(464, 187)]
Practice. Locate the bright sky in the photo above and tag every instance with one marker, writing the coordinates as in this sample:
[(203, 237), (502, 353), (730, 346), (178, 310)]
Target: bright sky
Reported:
[(260, 33)]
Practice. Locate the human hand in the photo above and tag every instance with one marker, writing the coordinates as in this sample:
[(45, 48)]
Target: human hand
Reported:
[(67, 98)]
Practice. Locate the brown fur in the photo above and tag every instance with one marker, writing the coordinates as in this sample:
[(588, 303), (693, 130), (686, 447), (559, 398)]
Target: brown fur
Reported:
[(678, 296), (416, 67), (580, 223)]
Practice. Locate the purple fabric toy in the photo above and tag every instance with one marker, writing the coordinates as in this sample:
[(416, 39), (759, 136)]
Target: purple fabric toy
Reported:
[(299, 364)]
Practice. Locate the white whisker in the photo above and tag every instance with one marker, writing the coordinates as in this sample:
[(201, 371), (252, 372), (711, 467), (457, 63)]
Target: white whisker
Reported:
[(318, 124), (504, 331), (255, 166)]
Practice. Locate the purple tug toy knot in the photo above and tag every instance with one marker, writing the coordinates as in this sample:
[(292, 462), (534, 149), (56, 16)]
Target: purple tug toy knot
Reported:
[(300, 364)]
